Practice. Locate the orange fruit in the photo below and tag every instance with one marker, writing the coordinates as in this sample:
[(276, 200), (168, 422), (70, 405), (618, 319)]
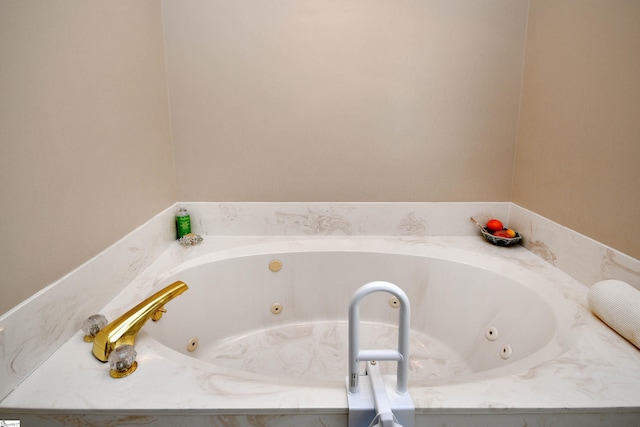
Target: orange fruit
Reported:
[(511, 233), (494, 225)]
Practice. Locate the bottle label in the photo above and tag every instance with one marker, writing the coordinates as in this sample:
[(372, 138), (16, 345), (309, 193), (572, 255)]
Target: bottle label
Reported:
[(183, 225)]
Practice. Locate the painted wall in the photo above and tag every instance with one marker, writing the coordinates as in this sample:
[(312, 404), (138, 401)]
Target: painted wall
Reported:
[(344, 100), (578, 152), (347, 100), (85, 147)]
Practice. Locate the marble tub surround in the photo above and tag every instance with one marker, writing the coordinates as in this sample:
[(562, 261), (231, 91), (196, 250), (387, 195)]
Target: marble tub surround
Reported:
[(581, 257), (341, 219), (34, 329), (596, 380)]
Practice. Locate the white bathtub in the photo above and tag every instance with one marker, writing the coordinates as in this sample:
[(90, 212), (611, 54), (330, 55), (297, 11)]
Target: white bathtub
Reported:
[(499, 337), (291, 325)]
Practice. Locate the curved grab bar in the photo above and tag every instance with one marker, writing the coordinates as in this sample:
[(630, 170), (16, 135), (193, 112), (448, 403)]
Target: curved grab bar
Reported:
[(401, 355)]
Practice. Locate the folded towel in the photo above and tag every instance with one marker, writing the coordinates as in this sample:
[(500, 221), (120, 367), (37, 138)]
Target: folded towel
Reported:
[(617, 304)]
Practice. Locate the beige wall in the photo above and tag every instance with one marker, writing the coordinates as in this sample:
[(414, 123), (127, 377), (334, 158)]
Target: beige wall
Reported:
[(300, 100), (344, 100), (578, 152), (85, 149)]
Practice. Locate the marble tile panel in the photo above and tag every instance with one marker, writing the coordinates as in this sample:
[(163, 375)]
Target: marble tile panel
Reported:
[(35, 328), (490, 418), (581, 257), (341, 219), (172, 420)]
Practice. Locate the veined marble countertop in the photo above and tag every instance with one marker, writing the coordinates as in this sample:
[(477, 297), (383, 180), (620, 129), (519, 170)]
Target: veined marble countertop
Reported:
[(601, 370)]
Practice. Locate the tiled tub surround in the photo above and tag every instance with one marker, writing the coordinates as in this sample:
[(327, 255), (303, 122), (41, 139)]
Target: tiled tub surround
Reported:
[(595, 382), (34, 329)]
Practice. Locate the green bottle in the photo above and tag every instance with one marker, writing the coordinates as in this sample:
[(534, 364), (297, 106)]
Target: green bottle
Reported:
[(183, 222)]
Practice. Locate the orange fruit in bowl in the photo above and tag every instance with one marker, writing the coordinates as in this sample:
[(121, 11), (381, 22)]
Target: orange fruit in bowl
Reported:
[(510, 232), (494, 225), (501, 233)]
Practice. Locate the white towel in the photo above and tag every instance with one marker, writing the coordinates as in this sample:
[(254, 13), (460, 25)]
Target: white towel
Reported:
[(617, 304)]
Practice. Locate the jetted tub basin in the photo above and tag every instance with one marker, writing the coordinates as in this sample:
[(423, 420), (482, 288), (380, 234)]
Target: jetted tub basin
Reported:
[(284, 315)]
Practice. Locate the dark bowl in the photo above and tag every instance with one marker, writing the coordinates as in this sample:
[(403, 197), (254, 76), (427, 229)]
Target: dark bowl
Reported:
[(500, 241)]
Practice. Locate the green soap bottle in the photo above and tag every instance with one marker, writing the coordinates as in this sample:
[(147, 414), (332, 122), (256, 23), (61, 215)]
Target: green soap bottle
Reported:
[(183, 222)]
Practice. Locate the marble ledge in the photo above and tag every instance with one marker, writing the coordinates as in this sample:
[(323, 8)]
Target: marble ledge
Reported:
[(495, 418), (343, 219)]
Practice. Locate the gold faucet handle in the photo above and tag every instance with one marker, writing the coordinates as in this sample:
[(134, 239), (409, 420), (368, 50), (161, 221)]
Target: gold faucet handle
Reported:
[(157, 315)]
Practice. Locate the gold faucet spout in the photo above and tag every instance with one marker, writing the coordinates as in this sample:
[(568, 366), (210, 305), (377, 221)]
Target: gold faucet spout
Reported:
[(124, 329)]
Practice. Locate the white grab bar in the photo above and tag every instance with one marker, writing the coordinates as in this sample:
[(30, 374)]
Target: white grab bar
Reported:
[(401, 355)]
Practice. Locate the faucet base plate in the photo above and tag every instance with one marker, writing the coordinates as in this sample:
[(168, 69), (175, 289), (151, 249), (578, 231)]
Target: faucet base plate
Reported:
[(121, 374)]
